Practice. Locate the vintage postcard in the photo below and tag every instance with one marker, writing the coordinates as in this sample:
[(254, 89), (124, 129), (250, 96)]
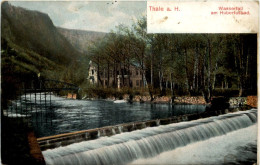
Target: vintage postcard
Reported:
[(129, 82)]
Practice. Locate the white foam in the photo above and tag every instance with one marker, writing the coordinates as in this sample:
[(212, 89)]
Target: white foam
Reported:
[(150, 142), (216, 150)]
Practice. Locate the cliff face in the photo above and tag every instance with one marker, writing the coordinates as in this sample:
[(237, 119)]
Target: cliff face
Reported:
[(31, 46), (81, 39), (35, 31)]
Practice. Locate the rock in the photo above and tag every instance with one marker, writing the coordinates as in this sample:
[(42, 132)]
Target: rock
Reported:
[(252, 101), (219, 103)]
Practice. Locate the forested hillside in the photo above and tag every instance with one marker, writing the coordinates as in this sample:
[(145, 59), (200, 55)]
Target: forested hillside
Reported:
[(175, 64), (81, 39), (33, 47)]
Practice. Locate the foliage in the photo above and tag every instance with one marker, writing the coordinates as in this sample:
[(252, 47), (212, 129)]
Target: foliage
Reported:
[(170, 64), (185, 64)]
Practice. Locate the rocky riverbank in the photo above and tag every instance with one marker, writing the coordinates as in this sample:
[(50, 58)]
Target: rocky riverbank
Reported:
[(233, 101), (167, 99)]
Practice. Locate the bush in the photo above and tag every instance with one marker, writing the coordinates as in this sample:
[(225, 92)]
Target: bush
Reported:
[(103, 93), (226, 92)]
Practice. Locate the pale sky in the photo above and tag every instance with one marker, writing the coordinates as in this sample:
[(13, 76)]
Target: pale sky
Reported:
[(88, 15)]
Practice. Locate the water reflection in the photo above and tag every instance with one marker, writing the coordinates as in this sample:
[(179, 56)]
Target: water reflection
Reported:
[(66, 115)]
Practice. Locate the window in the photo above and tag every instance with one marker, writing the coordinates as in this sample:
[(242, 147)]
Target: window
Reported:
[(141, 83), (136, 72), (93, 71), (137, 82)]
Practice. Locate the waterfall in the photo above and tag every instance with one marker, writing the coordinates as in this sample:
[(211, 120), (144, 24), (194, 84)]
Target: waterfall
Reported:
[(125, 147)]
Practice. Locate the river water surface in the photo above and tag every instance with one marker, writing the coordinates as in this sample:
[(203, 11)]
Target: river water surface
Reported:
[(67, 115), (224, 139), (227, 139)]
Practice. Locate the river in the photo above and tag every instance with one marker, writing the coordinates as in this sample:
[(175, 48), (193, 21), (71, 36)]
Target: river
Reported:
[(224, 139), (67, 115)]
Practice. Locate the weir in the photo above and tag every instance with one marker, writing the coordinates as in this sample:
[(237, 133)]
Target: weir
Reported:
[(129, 146), (65, 139)]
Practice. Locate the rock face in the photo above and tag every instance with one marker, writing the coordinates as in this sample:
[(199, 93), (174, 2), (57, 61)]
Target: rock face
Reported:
[(35, 31), (31, 46), (81, 39)]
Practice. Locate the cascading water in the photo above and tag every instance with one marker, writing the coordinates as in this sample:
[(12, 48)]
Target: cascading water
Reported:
[(127, 147)]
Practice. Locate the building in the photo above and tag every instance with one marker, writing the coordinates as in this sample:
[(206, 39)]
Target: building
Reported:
[(122, 77), (92, 73)]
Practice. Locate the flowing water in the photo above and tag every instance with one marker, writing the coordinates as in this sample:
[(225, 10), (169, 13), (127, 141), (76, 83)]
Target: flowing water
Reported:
[(63, 115), (226, 137), (238, 147)]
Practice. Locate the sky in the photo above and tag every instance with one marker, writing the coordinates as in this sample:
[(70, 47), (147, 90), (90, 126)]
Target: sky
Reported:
[(100, 16)]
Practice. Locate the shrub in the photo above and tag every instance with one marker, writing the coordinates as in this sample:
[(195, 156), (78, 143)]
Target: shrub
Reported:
[(226, 92)]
